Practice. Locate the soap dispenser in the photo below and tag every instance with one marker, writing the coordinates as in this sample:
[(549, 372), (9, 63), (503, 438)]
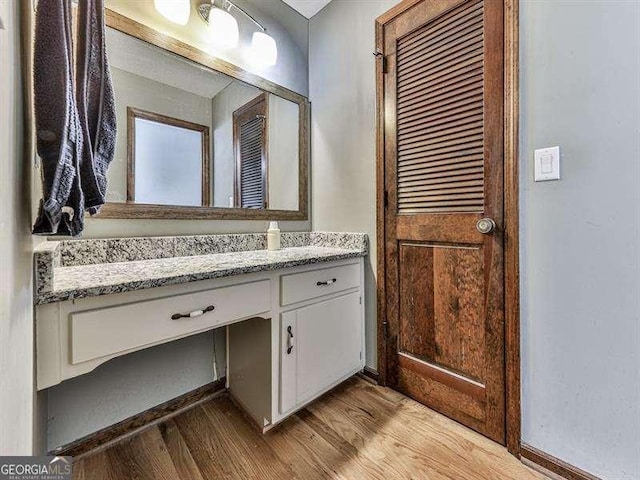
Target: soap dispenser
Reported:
[(273, 237)]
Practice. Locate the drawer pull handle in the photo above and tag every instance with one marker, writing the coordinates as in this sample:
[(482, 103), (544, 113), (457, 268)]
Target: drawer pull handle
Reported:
[(195, 313), (289, 340), (327, 282)]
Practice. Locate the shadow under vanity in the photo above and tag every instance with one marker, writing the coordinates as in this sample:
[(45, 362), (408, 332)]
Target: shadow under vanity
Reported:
[(294, 317)]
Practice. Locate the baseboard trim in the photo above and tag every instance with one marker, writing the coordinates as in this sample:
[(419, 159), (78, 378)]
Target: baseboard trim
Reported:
[(553, 464), (370, 375), (134, 424)]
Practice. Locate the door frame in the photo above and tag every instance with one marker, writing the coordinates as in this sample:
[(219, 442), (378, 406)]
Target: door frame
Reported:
[(511, 213)]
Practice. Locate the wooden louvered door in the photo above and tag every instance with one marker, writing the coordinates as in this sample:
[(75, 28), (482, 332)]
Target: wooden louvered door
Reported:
[(441, 94), (251, 147)]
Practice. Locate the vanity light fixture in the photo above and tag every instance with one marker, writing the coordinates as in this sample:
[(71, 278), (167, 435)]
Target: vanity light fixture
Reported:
[(223, 29), (177, 11), (263, 51), (224, 32)]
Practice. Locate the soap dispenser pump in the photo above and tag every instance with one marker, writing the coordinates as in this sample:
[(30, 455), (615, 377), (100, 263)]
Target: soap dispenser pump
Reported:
[(273, 237)]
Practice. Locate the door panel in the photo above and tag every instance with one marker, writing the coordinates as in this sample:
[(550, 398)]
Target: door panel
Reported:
[(441, 310), (454, 396), (443, 166), (440, 131)]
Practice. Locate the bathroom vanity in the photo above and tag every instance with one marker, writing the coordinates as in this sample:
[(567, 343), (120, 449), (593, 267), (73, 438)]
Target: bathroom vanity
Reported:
[(294, 317), (200, 138)]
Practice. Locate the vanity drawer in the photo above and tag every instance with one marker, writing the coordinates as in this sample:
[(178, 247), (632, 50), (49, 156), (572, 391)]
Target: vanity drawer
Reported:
[(298, 287), (106, 331)]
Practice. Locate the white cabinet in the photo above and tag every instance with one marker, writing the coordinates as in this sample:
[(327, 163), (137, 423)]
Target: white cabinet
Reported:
[(292, 334), (321, 344)]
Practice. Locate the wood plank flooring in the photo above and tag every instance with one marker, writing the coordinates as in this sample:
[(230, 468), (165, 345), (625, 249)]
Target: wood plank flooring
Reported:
[(358, 431)]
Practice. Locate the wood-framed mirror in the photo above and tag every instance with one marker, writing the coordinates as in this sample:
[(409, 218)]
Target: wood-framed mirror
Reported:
[(248, 162)]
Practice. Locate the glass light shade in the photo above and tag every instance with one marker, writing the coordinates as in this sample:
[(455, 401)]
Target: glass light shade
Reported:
[(177, 11), (223, 29), (264, 51)]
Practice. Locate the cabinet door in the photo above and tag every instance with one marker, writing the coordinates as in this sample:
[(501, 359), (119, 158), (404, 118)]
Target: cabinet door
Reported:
[(319, 345), (329, 343)]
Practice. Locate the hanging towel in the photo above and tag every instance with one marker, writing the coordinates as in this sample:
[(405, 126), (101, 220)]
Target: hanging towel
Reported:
[(58, 139), (75, 121), (96, 103)]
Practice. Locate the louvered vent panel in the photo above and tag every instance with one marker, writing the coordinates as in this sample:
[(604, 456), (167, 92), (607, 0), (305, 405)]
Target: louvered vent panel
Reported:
[(252, 193), (440, 114)]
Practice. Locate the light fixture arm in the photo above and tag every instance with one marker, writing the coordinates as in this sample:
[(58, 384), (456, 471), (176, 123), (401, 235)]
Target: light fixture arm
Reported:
[(205, 8)]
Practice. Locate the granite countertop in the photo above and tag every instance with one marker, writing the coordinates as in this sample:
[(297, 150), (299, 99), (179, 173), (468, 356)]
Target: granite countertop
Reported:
[(65, 269)]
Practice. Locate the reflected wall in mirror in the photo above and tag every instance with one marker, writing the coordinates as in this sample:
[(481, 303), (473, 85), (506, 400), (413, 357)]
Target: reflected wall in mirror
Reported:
[(196, 142)]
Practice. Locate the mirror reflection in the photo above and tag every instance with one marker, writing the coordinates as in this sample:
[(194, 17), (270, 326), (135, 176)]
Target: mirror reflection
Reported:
[(153, 174), (197, 137)]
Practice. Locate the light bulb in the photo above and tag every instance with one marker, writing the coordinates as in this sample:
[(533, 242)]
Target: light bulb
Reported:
[(177, 11), (263, 51), (223, 29)]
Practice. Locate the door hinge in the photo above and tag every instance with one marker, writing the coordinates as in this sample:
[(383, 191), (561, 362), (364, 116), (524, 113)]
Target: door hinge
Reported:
[(385, 199), (385, 328), (360, 299), (379, 54)]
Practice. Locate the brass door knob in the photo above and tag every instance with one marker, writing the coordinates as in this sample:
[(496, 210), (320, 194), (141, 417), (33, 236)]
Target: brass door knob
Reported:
[(485, 225)]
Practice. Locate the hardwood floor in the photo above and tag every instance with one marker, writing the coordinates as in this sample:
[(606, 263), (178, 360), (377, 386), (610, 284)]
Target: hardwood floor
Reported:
[(357, 431)]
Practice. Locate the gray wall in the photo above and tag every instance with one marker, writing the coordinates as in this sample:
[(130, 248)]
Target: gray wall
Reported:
[(125, 397), (16, 316), (342, 92), (580, 236)]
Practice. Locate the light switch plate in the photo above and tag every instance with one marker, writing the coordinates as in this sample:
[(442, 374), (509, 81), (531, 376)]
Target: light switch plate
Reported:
[(547, 164)]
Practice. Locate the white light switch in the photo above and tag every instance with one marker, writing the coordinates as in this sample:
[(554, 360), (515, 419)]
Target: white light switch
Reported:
[(547, 164)]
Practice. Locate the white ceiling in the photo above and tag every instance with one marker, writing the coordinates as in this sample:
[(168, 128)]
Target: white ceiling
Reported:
[(308, 8)]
